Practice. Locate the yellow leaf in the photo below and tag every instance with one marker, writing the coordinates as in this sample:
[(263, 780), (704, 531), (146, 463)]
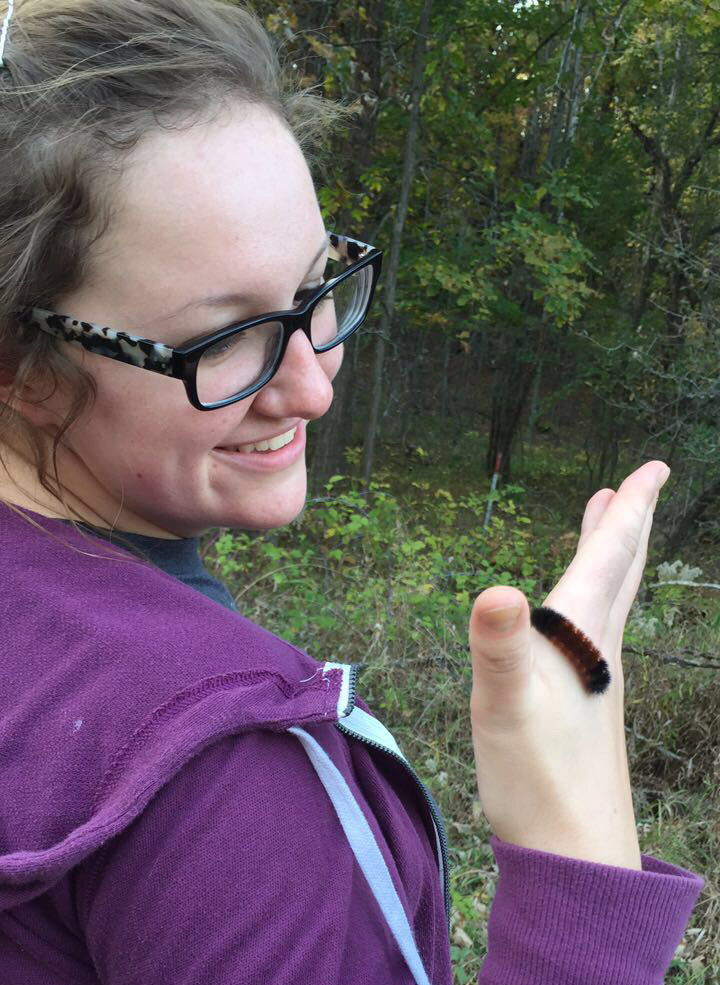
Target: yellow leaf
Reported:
[(319, 48)]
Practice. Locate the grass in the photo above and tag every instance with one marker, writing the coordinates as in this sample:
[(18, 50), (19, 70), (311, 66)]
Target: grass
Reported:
[(390, 585)]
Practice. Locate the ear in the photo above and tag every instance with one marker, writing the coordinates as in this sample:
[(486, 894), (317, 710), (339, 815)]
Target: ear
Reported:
[(30, 403)]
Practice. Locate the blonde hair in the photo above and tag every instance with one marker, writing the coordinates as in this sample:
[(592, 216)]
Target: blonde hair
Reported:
[(82, 82)]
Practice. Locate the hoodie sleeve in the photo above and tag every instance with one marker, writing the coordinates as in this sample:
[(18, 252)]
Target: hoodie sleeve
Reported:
[(236, 873), (561, 920)]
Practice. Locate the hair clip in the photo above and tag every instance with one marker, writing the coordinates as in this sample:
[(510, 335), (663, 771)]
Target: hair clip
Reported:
[(4, 34), (580, 651)]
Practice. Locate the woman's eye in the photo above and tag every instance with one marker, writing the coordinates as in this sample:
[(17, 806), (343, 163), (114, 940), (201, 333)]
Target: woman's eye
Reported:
[(305, 293), (223, 348)]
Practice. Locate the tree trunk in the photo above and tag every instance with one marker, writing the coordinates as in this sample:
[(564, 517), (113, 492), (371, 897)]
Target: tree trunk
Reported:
[(330, 441), (388, 300), (601, 469), (358, 150), (534, 403), (510, 391), (444, 382), (561, 111)]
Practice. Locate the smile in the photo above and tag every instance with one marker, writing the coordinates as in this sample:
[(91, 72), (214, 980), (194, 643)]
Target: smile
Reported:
[(271, 444), (268, 455)]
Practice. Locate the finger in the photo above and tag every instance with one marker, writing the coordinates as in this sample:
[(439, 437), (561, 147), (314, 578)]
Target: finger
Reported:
[(500, 646), (593, 513), (610, 549), (629, 588)]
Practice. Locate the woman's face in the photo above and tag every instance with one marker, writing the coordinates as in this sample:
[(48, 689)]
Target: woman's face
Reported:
[(214, 224)]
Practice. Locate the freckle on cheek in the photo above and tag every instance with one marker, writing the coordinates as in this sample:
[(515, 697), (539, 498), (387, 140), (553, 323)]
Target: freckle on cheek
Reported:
[(139, 475)]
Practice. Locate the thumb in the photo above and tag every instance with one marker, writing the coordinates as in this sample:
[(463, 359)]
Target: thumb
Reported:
[(500, 643)]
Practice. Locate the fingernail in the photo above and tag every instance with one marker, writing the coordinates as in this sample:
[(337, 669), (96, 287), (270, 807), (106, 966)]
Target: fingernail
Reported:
[(663, 477), (501, 618)]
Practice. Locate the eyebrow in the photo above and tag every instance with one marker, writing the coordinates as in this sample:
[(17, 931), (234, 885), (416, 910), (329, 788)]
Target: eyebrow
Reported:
[(224, 300)]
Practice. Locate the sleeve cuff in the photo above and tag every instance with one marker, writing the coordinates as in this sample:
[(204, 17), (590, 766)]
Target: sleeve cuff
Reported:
[(562, 920)]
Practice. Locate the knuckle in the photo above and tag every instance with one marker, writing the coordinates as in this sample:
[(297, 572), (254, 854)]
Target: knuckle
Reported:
[(503, 661), (501, 664), (629, 540)]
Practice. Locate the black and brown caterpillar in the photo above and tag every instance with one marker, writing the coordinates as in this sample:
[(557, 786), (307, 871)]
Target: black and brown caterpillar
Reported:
[(580, 651)]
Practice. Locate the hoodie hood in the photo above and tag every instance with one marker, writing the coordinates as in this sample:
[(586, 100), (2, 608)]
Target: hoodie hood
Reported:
[(136, 675)]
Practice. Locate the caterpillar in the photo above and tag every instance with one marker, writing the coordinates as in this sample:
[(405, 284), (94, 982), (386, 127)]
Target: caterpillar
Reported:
[(580, 651)]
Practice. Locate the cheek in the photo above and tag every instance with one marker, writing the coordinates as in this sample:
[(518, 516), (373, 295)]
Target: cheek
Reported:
[(131, 402), (147, 416)]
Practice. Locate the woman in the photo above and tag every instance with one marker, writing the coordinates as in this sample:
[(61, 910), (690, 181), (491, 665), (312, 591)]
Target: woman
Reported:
[(186, 798)]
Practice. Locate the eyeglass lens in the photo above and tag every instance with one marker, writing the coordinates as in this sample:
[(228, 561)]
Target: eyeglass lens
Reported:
[(249, 357)]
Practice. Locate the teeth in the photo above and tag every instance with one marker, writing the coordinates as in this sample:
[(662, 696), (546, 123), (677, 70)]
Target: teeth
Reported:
[(271, 444)]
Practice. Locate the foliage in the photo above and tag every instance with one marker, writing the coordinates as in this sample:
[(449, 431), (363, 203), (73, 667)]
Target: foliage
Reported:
[(386, 579), (379, 561), (557, 302)]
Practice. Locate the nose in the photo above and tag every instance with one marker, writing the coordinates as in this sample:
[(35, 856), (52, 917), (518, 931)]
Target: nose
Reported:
[(302, 385)]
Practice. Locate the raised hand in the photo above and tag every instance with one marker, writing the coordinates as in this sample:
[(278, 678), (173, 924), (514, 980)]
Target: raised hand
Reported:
[(551, 760)]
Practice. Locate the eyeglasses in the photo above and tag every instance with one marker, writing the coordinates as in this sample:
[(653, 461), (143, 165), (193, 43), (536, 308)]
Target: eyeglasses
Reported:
[(236, 361)]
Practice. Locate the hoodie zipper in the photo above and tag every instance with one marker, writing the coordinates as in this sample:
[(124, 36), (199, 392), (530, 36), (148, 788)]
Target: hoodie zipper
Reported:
[(427, 796)]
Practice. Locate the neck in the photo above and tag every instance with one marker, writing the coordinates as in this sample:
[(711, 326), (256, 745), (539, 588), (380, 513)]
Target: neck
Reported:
[(20, 485)]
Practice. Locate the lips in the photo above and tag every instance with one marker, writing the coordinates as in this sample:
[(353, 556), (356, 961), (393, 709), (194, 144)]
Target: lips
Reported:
[(265, 461), (271, 443)]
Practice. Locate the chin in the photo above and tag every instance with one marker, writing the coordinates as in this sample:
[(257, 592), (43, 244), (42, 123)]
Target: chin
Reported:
[(275, 512)]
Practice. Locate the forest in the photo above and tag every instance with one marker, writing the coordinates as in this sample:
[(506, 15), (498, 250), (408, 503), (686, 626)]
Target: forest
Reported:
[(544, 178)]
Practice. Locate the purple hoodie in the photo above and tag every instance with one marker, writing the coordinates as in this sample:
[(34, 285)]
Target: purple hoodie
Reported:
[(187, 799)]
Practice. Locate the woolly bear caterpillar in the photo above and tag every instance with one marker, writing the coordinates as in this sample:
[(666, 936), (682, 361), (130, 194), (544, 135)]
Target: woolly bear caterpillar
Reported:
[(580, 651)]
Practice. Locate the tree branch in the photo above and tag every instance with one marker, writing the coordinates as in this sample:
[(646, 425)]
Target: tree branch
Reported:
[(652, 148), (693, 159), (669, 658), (692, 584), (526, 65)]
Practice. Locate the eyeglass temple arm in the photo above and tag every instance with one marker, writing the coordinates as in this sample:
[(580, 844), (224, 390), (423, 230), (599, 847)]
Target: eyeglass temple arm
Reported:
[(125, 348)]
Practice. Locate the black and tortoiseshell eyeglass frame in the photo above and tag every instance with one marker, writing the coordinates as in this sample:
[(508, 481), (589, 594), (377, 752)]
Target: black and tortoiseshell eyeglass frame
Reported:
[(182, 362)]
